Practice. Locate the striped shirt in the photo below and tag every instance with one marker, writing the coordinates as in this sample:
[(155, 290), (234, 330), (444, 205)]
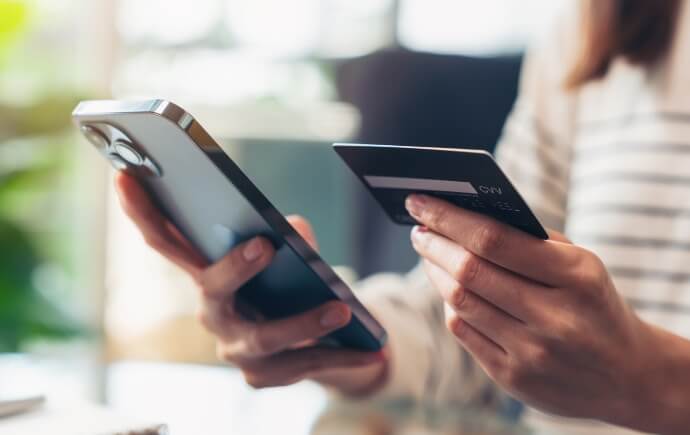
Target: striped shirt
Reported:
[(609, 165)]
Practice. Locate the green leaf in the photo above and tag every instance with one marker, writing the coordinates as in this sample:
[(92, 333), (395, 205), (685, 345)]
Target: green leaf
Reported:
[(21, 180), (13, 19), (18, 258), (25, 314)]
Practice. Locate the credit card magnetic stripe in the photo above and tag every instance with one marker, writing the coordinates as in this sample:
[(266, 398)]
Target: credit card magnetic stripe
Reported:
[(420, 184)]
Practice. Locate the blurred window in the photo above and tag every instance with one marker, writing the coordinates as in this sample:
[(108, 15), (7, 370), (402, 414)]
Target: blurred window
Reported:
[(231, 51), (474, 27)]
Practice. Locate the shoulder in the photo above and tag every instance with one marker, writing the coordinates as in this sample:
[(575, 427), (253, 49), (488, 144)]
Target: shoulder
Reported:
[(552, 51)]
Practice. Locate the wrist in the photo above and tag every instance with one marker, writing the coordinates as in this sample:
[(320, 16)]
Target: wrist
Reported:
[(369, 383), (660, 402), (358, 383)]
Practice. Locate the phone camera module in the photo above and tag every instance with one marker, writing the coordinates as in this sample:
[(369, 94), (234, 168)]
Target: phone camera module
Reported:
[(95, 136), (126, 151), (120, 149)]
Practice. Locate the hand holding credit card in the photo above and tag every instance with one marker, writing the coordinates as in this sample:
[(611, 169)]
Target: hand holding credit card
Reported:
[(470, 179)]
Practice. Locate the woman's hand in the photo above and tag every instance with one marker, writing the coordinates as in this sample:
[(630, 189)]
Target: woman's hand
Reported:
[(269, 353), (545, 321)]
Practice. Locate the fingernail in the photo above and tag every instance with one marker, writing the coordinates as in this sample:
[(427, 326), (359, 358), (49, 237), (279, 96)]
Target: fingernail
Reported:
[(334, 317), (253, 250), (415, 205), (418, 232)]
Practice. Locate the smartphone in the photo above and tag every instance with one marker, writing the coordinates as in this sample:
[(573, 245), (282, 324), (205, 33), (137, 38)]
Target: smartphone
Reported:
[(470, 179), (205, 194)]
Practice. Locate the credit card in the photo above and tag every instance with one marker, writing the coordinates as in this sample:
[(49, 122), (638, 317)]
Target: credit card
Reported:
[(470, 179)]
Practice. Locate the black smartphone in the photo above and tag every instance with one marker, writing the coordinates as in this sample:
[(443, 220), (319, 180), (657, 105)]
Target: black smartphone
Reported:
[(216, 206), (470, 179)]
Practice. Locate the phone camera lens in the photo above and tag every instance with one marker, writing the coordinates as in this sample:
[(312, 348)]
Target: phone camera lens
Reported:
[(127, 153), (95, 136)]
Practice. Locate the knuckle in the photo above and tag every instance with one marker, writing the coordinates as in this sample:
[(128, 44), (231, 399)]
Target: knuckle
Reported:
[(467, 304), (203, 283), (467, 270), (488, 239), (568, 334), (455, 325), (255, 380), (564, 332), (539, 357), (516, 375), (258, 343), (591, 275), (224, 354), (458, 295), (436, 216)]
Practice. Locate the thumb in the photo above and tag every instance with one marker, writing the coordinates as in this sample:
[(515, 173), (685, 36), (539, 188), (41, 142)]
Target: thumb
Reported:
[(303, 227), (558, 237)]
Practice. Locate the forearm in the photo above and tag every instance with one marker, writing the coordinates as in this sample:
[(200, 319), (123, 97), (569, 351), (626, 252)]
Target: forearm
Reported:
[(663, 399), (357, 383)]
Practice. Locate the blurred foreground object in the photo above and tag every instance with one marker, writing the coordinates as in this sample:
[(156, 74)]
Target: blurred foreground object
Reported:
[(398, 418), (62, 406)]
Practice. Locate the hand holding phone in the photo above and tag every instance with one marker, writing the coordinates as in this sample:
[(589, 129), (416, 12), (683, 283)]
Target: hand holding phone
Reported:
[(205, 196), (279, 311), (269, 352)]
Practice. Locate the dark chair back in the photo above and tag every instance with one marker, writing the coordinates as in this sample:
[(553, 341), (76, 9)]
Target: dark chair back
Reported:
[(421, 99)]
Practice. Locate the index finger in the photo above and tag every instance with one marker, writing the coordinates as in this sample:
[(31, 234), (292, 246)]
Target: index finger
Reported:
[(545, 261), (156, 229)]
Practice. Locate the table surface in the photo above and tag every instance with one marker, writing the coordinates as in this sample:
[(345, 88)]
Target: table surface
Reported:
[(212, 400)]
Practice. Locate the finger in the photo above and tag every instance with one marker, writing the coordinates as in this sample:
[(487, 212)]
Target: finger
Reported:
[(242, 263), (271, 337), (490, 356), (152, 225), (501, 244), (293, 366), (517, 296), (558, 237), (495, 324), (186, 244), (219, 282), (304, 228)]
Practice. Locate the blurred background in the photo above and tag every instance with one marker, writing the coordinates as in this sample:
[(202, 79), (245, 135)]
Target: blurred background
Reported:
[(276, 82)]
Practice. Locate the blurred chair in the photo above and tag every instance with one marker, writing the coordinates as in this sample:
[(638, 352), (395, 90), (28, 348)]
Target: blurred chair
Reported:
[(421, 99)]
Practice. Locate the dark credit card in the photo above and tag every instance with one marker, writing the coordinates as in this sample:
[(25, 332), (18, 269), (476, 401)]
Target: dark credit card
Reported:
[(470, 179)]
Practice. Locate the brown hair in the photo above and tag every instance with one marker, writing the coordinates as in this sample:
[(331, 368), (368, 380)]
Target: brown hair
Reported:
[(640, 31)]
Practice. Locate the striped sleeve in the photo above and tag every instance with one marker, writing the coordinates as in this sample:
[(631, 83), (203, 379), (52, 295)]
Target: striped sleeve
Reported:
[(535, 150), (427, 362)]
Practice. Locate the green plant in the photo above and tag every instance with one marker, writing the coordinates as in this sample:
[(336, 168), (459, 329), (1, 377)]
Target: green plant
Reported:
[(13, 18), (25, 313), (30, 165)]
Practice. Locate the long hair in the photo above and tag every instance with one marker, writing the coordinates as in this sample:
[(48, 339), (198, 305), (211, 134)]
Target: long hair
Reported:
[(641, 31)]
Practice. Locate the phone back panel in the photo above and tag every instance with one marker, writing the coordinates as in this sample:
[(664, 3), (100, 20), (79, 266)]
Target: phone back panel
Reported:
[(204, 193)]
